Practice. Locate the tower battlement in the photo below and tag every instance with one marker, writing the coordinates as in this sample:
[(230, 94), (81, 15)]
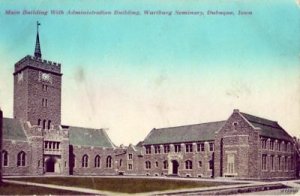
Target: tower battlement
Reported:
[(37, 63)]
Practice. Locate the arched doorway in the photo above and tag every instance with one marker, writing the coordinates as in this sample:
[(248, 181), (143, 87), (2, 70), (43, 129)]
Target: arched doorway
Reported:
[(175, 166), (50, 165)]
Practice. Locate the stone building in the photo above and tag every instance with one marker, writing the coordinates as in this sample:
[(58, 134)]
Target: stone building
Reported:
[(36, 143)]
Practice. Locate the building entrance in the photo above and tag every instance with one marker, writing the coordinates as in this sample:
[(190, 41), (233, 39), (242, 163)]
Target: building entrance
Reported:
[(52, 165), (175, 166)]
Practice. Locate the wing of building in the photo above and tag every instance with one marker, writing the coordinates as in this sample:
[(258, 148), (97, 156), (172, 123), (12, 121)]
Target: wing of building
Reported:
[(36, 143)]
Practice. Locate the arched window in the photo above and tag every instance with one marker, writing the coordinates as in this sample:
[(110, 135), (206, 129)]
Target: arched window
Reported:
[(165, 164), (49, 124), (188, 164), (97, 161), (148, 165), (21, 159), (5, 158), (39, 122), (121, 161), (108, 162), (85, 160)]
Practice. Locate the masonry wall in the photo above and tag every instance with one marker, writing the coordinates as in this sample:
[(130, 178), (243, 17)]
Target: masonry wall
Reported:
[(197, 170), (239, 138), (14, 147), (29, 91), (77, 153)]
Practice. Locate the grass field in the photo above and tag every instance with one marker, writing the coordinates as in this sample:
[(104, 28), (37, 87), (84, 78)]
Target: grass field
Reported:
[(14, 189), (123, 185)]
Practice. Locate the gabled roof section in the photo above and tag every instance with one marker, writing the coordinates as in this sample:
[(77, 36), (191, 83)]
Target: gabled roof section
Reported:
[(13, 130), (80, 136), (268, 128), (188, 133)]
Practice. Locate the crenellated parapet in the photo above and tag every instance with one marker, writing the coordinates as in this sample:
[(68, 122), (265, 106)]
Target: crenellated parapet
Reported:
[(56, 134), (38, 63)]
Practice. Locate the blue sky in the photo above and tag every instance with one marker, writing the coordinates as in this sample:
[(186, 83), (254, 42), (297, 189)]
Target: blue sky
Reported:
[(139, 72)]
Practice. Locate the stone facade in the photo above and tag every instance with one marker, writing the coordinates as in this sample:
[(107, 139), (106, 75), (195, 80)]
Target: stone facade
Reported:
[(35, 142)]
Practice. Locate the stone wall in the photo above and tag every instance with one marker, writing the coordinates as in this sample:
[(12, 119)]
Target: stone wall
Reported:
[(198, 169), (14, 147), (77, 153), (30, 89)]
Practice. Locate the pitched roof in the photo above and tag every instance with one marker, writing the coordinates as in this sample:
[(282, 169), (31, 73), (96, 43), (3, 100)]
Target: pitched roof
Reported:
[(13, 130), (188, 133), (81, 136), (267, 127)]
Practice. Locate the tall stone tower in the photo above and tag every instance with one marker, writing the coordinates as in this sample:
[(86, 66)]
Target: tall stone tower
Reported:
[(37, 89)]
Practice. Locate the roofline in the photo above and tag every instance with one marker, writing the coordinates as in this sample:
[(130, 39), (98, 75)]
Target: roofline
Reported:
[(241, 114), (82, 127), (196, 141), (191, 125)]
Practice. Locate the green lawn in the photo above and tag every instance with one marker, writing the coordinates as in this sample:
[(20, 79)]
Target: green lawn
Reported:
[(123, 185), (15, 189)]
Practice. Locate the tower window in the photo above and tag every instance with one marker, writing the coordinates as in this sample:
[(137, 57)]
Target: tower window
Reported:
[(49, 124), (44, 124), (45, 87), (39, 122)]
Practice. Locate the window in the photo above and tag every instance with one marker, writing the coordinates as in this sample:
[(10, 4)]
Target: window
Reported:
[(157, 149), (279, 162), (264, 162), (97, 161), (85, 160), (129, 156), (165, 164), (45, 87), (148, 164), (4, 158), (264, 144), (188, 164), (148, 149), (200, 163), (211, 146), (39, 122), (44, 124), (108, 162), (21, 159), (189, 148), (284, 146), (211, 164), (166, 148), (272, 163), (129, 166), (156, 164), (279, 146), (45, 102), (200, 147), (121, 162), (49, 124), (177, 147), (292, 163), (285, 163), (231, 163), (272, 144)]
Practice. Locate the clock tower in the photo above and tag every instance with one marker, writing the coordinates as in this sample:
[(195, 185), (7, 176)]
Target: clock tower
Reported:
[(37, 89)]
